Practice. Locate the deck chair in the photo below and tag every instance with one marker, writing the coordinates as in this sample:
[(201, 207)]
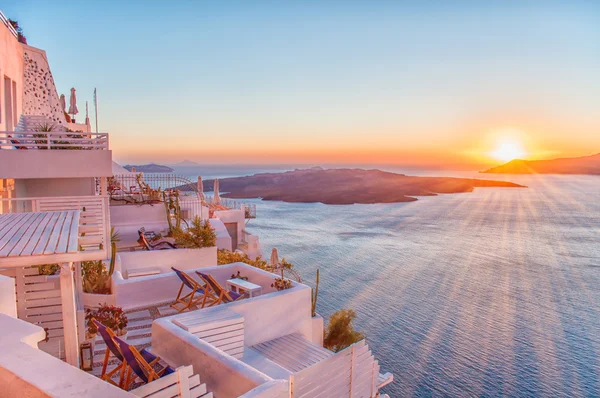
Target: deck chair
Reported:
[(139, 365), (183, 303), (160, 245), (111, 347), (222, 295), (16, 143)]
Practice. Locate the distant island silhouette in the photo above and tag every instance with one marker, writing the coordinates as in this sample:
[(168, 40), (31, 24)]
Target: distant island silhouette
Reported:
[(149, 168), (186, 163), (580, 165), (345, 186)]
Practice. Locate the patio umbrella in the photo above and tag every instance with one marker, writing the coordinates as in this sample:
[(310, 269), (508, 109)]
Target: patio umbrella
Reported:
[(200, 188), (217, 198), (63, 103), (274, 258), (73, 104)]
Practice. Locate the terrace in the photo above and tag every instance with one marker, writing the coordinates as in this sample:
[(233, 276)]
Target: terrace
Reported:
[(264, 346), (267, 342), (26, 154)]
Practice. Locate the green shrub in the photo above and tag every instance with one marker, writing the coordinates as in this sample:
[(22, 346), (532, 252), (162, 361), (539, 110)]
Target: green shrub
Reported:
[(95, 277), (340, 332), (200, 234), (48, 269), (225, 256)]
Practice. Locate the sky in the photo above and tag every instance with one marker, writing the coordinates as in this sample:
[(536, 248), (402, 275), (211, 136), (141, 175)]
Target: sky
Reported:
[(449, 84)]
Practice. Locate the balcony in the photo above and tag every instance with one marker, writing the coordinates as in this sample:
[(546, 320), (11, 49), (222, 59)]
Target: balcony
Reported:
[(71, 155)]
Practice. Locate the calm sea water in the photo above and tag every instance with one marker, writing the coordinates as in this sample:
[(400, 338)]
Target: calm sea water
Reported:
[(490, 293)]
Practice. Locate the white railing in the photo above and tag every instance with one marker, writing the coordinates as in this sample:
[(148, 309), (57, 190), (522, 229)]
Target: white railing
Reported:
[(352, 372), (8, 25), (94, 220), (53, 140), (249, 208)]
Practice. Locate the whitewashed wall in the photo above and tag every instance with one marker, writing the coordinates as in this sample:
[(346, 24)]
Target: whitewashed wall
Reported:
[(11, 65), (163, 260), (8, 296), (39, 92), (25, 371)]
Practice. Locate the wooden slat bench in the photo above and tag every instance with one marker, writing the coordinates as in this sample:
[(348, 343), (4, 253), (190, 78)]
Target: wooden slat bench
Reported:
[(222, 328), (133, 273)]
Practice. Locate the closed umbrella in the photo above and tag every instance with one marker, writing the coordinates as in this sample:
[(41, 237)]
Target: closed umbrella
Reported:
[(200, 188), (217, 198), (63, 103), (274, 258), (73, 104)]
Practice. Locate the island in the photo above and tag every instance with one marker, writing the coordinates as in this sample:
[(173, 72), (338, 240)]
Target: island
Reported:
[(345, 186), (580, 165), (187, 163), (149, 168)]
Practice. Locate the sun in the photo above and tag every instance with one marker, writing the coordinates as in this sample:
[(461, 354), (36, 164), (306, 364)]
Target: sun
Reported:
[(508, 150)]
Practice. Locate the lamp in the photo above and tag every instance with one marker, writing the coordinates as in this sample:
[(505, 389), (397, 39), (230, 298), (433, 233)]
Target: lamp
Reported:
[(86, 354)]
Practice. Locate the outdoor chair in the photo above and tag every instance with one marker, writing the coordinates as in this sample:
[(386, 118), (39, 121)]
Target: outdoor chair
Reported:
[(160, 245), (111, 347), (16, 143), (183, 303), (222, 295), (142, 365)]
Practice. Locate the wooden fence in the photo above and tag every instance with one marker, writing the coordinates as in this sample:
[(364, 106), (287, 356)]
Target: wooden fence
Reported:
[(182, 383), (352, 372)]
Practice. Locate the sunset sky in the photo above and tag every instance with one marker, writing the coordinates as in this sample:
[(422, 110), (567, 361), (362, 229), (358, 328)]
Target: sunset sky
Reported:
[(448, 83)]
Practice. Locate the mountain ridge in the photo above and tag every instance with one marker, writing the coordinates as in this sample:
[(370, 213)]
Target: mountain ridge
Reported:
[(579, 165)]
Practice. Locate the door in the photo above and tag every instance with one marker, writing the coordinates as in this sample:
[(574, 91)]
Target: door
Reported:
[(232, 229), (8, 107)]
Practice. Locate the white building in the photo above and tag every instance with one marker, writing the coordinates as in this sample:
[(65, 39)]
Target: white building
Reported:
[(55, 207)]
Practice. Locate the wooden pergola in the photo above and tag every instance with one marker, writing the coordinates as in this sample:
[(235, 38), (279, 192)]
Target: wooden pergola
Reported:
[(32, 239)]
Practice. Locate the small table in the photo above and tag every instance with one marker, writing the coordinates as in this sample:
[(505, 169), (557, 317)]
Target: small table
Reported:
[(238, 285)]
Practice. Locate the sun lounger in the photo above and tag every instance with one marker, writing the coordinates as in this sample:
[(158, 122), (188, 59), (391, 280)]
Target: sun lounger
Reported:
[(108, 336), (199, 294), (160, 245), (142, 366), (222, 295)]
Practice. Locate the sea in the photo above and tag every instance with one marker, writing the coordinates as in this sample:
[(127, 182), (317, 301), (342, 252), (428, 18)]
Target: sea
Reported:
[(493, 293)]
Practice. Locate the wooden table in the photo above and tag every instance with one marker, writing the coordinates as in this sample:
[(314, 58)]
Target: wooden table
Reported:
[(26, 238), (240, 286)]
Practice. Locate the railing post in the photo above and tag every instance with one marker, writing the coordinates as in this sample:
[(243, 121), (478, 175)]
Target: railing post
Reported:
[(292, 386), (48, 141), (67, 296)]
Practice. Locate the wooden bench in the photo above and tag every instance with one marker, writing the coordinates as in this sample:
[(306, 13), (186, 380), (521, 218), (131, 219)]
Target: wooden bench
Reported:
[(221, 328), (133, 273)]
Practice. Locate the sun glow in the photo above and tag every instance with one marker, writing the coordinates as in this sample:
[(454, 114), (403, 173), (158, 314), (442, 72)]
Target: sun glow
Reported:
[(508, 150)]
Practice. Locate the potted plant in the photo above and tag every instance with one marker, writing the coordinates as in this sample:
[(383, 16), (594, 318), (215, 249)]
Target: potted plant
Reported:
[(281, 283), (48, 269), (110, 316), (239, 276)]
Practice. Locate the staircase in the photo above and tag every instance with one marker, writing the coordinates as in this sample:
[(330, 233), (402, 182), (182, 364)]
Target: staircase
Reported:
[(33, 123)]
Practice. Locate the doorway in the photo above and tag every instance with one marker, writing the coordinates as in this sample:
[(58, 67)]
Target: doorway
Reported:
[(8, 104)]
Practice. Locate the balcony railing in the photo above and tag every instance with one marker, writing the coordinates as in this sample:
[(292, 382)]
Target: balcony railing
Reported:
[(249, 208), (53, 140), (9, 26)]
